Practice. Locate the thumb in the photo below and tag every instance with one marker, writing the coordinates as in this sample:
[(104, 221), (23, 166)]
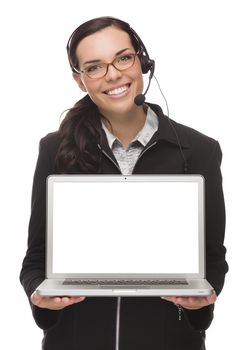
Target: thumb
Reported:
[(36, 298), (212, 298)]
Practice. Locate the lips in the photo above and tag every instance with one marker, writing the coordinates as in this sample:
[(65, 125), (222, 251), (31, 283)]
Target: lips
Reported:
[(117, 90)]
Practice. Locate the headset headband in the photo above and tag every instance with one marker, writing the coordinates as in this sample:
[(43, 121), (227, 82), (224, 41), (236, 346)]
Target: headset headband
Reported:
[(146, 63)]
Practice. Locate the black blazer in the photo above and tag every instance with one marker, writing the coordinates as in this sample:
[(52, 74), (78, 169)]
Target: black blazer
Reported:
[(146, 323)]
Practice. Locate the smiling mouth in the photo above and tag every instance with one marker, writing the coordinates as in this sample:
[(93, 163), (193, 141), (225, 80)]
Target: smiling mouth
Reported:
[(117, 91)]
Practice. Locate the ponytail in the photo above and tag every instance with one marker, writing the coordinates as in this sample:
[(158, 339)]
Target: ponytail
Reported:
[(79, 135)]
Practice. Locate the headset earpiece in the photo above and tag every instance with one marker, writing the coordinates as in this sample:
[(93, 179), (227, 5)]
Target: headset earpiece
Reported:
[(146, 64)]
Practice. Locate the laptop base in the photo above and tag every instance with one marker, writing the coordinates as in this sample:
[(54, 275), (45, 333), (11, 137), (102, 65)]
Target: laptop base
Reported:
[(56, 287)]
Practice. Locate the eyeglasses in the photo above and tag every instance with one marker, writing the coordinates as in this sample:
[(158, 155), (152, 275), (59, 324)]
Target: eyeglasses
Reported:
[(99, 70)]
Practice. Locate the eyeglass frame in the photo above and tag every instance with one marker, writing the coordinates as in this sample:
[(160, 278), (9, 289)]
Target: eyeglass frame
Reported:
[(110, 64)]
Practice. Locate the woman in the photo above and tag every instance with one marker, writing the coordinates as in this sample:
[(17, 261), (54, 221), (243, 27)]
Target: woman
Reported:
[(109, 131)]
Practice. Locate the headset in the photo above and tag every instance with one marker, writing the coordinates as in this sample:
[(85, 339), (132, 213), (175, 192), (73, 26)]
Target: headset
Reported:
[(147, 65)]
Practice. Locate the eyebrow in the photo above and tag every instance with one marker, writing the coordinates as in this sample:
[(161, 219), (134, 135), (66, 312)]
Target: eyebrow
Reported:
[(98, 60)]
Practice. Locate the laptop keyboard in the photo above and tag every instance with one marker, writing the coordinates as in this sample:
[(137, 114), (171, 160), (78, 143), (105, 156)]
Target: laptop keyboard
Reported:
[(123, 282)]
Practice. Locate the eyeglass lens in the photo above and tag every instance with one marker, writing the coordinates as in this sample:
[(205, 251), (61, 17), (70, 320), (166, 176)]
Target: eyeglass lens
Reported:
[(100, 69)]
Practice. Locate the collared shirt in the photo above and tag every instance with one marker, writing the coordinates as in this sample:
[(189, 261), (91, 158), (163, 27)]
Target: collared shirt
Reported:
[(127, 158)]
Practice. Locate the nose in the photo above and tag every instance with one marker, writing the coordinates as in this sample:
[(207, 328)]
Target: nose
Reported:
[(112, 73)]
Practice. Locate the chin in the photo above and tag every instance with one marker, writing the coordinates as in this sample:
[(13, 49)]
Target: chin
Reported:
[(118, 107), (125, 109)]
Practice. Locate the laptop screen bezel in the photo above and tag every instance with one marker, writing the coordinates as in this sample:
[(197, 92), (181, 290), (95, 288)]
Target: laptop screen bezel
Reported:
[(52, 179)]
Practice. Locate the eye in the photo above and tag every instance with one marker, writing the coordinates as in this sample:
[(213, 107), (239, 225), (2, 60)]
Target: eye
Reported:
[(93, 68), (126, 58)]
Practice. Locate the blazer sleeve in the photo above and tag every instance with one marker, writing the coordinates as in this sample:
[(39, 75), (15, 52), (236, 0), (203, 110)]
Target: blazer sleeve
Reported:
[(216, 265), (33, 267)]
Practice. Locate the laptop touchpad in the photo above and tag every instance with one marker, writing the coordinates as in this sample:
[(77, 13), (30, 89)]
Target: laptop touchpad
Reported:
[(124, 287)]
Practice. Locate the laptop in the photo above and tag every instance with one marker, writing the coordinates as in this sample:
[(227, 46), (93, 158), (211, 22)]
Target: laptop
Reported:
[(116, 235)]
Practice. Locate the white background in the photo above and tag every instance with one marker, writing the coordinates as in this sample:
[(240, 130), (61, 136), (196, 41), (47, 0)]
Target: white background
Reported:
[(200, 53)]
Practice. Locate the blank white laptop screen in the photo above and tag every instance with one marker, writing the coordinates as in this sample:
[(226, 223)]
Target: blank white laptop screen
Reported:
[(125, 227)]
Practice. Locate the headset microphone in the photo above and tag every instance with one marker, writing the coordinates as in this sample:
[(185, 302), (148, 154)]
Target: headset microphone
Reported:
[(140, 99)]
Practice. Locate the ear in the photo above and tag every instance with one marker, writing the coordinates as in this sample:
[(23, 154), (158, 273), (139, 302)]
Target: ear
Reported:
[(77, 78)]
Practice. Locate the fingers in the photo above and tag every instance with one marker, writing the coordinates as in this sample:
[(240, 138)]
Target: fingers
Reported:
[(192, 303), (54, 303), (171, 299), (212, 298)]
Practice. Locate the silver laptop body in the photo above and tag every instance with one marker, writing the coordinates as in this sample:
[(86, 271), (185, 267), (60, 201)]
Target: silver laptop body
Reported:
[(112, 235)]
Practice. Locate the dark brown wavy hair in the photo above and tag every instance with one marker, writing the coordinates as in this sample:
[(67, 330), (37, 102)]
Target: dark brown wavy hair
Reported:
[(80, 130)]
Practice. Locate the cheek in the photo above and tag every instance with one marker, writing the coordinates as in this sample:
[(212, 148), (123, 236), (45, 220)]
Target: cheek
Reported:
[(137, 75), (139, 82), (92, 87)]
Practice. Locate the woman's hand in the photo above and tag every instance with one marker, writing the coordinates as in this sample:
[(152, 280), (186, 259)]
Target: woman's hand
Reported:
[(192, 303), (54, 303)]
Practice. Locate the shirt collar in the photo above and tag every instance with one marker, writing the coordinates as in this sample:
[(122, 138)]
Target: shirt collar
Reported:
[(109, 136), (144, 135)]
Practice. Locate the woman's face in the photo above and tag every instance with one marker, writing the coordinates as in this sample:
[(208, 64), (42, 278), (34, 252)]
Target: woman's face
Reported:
[(115, 92)]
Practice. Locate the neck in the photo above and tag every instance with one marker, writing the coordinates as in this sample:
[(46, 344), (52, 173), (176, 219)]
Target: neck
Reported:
[(126, 127)]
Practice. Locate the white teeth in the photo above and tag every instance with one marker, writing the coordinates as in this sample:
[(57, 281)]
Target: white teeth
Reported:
[(118, 91)]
